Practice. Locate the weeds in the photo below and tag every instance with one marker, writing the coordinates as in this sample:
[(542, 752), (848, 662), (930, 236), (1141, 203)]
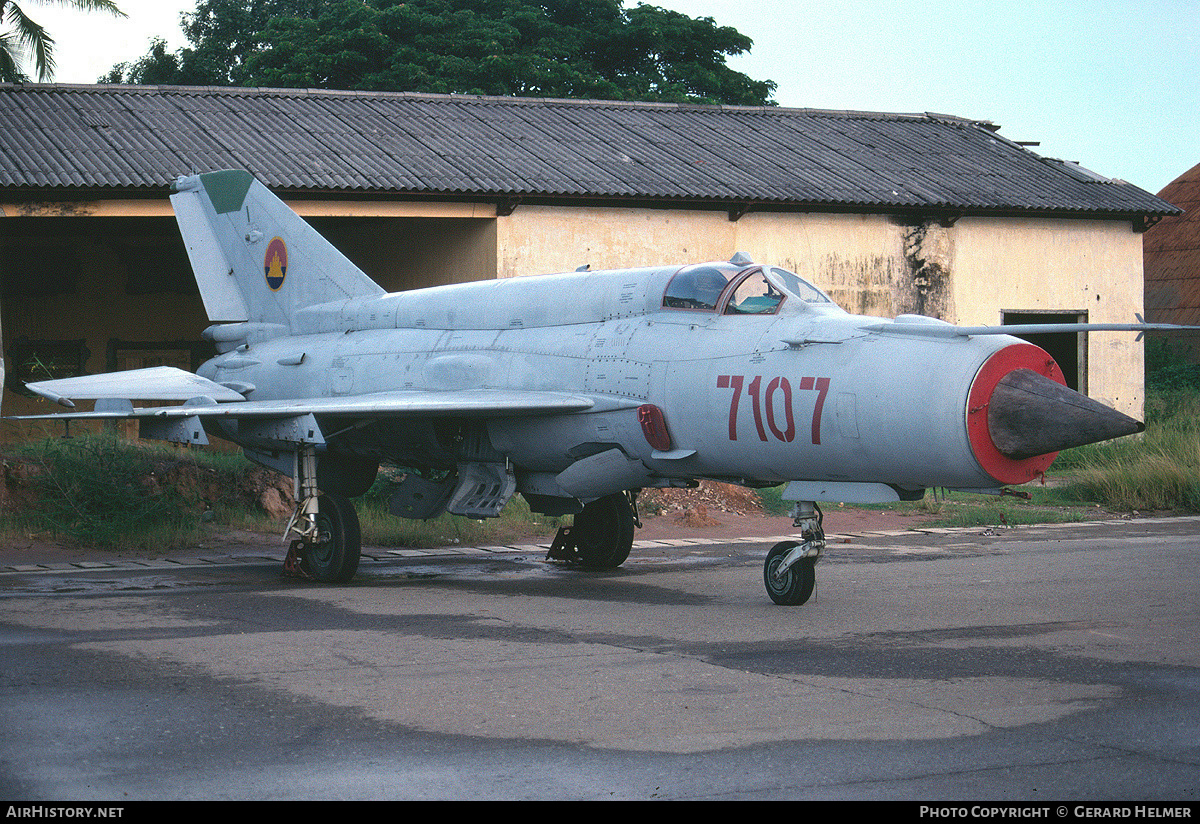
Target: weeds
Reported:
[(965, 510), (99, 490), (92, 490), (1157, 470), (515, 524)]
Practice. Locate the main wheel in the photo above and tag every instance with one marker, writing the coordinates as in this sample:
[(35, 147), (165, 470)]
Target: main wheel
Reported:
[(603, 533), (333, 557), (796, 585)]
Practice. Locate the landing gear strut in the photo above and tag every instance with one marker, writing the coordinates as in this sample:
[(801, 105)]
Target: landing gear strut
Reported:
[(327, 540), (789, 572), (601, 536)]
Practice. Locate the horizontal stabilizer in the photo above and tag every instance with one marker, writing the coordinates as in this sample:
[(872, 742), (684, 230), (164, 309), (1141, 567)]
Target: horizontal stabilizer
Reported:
[(465, 403), (158, 383)]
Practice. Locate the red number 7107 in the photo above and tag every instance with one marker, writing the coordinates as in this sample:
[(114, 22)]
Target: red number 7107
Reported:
[(765, 407)]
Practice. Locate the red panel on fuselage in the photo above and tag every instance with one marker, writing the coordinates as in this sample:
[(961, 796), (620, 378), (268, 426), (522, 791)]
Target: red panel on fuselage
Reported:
[(1018, 356)]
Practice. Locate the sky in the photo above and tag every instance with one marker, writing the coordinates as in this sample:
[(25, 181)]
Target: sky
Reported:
[(1110, 84)]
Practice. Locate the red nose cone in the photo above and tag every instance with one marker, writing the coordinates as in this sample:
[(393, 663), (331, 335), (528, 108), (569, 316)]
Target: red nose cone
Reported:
[(1020, 414), (1005, 469)]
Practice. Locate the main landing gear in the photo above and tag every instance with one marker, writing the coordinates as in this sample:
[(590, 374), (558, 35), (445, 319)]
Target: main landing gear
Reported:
[(601, 536), (789, 572), (328, 541)]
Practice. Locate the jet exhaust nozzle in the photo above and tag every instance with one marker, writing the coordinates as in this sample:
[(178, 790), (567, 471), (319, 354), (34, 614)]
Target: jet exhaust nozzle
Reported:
[(1029, 414)]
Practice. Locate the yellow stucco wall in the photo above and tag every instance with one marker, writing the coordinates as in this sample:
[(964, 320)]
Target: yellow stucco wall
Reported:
[(969, 272), (537, 240), (854, 258), (1092, 266)]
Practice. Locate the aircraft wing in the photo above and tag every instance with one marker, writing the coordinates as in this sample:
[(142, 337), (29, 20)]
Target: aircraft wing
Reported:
[(454, 403)]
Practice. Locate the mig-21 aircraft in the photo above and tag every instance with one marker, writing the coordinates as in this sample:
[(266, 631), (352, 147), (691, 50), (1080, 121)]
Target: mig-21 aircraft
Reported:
[(577, 390)]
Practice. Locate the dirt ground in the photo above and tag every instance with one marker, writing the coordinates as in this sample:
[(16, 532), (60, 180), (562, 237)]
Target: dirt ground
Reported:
[(721, 511), (727, 525), (714, 511), (715, 527)]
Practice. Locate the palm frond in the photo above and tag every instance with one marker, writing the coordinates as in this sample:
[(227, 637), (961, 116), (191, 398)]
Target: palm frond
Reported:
[(109, 6), (32, 37), (10, 71), (27, 36)]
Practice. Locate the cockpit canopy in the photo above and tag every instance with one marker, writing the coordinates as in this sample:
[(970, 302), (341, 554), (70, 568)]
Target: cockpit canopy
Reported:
[(737, 289)]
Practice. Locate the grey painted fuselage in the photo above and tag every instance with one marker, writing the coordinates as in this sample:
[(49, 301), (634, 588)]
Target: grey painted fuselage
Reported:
[(802, 394)]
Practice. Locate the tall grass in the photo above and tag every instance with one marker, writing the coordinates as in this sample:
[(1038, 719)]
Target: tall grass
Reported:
[(516, 524), (99, 490), (103, 491), (1157, 470)]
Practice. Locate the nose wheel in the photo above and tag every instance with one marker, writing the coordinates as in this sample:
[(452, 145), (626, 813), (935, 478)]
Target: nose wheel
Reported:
[(792, 584), (789, 573)]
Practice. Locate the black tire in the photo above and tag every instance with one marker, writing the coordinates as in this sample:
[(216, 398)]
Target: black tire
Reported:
[(603, 533), (798, 582), (333, 559)]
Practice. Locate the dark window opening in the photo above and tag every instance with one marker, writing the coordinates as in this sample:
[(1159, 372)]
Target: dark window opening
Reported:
[(1069, 349), (154, 266), (42, 360), (185, 355), (39, 271)]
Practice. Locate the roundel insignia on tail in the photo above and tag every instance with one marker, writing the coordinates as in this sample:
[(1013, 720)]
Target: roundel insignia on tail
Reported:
[(275, 263)]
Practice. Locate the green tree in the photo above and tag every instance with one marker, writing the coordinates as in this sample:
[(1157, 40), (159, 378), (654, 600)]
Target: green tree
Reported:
[(543, 48), (21, 36)]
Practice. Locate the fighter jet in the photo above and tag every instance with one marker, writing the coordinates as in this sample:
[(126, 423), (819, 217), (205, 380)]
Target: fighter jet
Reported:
[(577, 390)]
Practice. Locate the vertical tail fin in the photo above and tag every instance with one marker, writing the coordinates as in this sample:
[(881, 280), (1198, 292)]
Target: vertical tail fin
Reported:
[(253, 257)]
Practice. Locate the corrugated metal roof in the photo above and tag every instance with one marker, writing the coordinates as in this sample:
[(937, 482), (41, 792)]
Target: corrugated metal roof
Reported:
[(135, 137)]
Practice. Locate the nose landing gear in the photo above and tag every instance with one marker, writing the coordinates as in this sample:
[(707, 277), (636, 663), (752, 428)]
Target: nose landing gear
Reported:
[(789, 572)]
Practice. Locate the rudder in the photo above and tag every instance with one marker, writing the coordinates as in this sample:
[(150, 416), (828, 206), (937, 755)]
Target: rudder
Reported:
[(254, 258)]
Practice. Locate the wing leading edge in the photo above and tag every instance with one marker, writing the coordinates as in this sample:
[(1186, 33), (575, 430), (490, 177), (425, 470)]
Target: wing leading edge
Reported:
[(459, 403)]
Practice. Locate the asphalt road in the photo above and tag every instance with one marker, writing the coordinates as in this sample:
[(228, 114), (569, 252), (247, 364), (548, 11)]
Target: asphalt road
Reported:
[(1037, 664)]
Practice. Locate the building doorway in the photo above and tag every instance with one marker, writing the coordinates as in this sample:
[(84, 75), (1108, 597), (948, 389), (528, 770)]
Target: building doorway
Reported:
[(1069, 349)]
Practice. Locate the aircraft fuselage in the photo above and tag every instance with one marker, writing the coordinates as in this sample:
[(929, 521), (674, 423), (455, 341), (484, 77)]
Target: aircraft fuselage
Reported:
[(805, 393)]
